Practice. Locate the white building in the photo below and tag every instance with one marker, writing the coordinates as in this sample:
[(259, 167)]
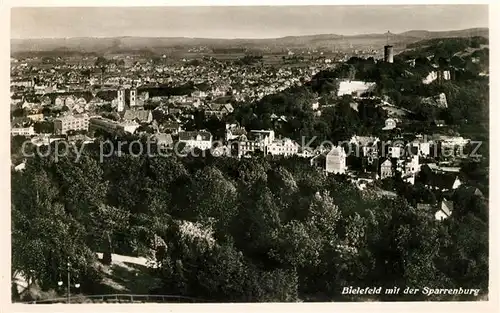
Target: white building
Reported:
[(432, 76), (196, 139), (395, 152), (129, 126), (413, 166), (22, 131), (264, 136), (336, 161), (285, 147), (452, 141), (390, 123), (110, 126), (444, 211), (71, 122), (354, 87), (425, 149)]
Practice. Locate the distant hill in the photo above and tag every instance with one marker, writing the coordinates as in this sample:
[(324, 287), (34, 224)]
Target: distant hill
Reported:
[(161, 45)]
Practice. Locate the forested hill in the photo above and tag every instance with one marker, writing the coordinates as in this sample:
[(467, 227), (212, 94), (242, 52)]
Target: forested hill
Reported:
[(467, 94), (158, 45)]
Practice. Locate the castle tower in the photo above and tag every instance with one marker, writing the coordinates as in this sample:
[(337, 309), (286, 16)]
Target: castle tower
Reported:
[(388, 54), (388, 51), (133, 97), (120, 100)]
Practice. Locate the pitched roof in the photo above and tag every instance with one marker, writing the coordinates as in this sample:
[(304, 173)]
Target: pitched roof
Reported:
[(336, 151), (423, 206), (191, 135), (440, 180), (141, 115), (447, 207), (162, 138), (171, 125), (387, 162)]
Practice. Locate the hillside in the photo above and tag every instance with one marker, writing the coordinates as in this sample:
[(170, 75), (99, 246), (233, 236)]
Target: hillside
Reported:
[(330, 41), (125, 275)]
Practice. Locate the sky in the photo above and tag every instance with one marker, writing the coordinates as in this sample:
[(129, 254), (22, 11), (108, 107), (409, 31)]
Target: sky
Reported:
[(240, 22)]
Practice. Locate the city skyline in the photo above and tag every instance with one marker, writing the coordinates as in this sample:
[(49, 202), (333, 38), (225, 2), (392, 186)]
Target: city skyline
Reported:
[(239, 22)]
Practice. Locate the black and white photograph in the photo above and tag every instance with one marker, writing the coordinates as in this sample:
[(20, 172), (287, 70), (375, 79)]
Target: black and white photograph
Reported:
[(249, 154)]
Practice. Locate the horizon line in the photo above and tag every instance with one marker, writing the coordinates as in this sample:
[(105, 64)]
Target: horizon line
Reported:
[(252, 38)]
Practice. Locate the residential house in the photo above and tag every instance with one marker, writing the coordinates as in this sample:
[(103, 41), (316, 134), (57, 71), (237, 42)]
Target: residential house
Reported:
[(438, 101), (413, 165), (141, 116), (46, 101), (445, 210), (395, 151), (71, 122), (112, 127), (35, 117), (451, 141), (199, 94), (221, 151), (171, 127), (80, 138), (439, 181), (196, 139), (174, 111), (70, 101), (22, 131), (162, 139), (81, 101), (315, 105), (233, 132), (244, 147), (363, 141), (423, 147), (285, 147), (319, 160), (305, 152), (20, 167), (386, 169), (336, 161), (264, 136), (409, 178), (97, 101), (424, 207), (356, 88), (59, 102), (390, 124), (218, 109)]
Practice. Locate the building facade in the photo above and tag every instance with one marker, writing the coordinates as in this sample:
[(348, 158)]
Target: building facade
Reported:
[(120, 104), (196, 139), (389, 54), (110, 126), (285, 147), (336, 161), (22, 131), (386, 169), (71, 122)]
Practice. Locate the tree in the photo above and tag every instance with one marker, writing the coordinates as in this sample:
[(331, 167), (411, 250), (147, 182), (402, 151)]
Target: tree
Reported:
[(44, 236), (44, 127), (20, 112), (108, 221)]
